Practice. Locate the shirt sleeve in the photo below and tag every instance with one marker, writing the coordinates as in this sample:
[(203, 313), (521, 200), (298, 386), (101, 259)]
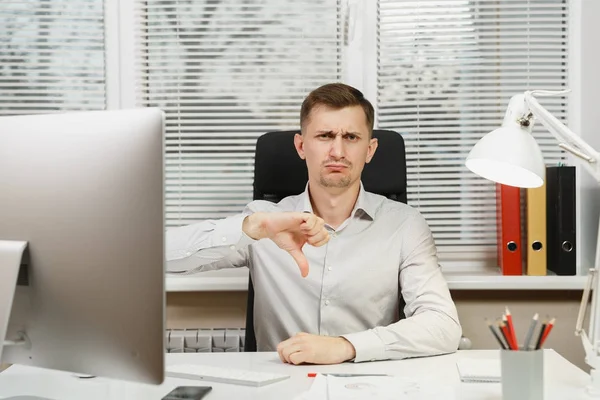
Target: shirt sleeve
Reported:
[(211, 244), (431, 325)]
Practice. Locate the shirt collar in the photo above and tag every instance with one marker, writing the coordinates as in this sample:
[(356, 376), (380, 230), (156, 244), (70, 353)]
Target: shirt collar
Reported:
[(364, 203)]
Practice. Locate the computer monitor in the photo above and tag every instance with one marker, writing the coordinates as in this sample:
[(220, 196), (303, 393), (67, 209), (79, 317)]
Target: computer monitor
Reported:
[(85, 191)]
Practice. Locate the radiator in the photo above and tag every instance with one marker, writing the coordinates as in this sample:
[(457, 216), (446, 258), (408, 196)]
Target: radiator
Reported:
[(205, 340)]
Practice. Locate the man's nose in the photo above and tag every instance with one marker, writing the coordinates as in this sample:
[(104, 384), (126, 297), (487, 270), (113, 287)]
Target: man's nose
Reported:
[(337, 147)]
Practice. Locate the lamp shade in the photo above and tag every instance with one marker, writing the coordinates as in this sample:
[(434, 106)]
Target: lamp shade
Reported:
[(508, 155)]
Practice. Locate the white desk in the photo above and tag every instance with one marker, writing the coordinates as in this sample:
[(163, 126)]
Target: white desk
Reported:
[(562, 379)]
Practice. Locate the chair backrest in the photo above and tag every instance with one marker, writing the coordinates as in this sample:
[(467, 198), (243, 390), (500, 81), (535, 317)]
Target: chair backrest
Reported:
[(279, 172)]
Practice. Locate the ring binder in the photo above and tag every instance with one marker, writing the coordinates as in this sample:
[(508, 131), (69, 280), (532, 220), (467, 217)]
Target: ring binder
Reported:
[(561, 222)]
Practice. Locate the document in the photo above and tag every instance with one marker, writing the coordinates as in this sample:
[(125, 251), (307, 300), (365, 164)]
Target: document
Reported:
[(375, 387)]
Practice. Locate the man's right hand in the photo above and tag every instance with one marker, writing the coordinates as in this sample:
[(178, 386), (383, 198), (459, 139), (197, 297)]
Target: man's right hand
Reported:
[(289, 230)]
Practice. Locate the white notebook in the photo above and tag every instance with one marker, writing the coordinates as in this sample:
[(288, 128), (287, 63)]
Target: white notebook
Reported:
[(479, 370)]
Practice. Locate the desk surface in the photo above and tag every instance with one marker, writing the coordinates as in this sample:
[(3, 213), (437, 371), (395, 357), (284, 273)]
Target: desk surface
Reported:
[(563, 380)]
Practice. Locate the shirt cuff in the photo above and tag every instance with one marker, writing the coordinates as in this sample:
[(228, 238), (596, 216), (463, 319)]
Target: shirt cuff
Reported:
[(228, 232), (368, 346)]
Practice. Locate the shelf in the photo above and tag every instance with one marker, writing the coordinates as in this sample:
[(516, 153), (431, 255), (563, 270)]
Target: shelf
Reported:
[(236, 279), (491, 281), (232, 279)]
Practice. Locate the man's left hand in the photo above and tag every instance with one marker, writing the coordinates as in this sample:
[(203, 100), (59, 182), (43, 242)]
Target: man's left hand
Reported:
[(315, 349)]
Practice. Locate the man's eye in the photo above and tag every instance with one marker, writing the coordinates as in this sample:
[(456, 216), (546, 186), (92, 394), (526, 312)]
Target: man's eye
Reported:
[(351, 137)]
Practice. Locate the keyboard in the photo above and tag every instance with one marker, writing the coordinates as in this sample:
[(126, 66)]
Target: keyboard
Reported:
[(223, 375)]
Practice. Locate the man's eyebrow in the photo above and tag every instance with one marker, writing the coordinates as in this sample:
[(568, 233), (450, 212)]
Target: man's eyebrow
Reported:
[(345, 133)]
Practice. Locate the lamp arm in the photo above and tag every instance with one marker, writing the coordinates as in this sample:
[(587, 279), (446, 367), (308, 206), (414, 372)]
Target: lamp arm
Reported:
[(585, 298), (576, 145), (566, 137)]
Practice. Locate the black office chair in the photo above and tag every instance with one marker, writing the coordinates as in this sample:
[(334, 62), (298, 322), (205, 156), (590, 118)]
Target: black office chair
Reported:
[(279, 172)]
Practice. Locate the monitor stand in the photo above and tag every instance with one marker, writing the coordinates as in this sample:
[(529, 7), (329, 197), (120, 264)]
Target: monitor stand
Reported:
[(11, 259), (26, 398), (11, 255)]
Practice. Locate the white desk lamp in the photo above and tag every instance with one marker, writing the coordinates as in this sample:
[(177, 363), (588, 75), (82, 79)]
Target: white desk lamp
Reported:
[(510, 155)]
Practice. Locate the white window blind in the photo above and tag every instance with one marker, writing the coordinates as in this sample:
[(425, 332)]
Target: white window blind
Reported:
[(51, 56), (446, 71), (225, 73)]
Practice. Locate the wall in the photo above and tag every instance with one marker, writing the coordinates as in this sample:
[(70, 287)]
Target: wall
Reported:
[(228, 310), (206, 310), (474, 306)]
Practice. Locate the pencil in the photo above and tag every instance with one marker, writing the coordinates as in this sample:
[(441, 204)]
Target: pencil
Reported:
[(496, 335), (511, 328), (506, 333), (532, 326), (539, 339), (500, 325), (547, 332)]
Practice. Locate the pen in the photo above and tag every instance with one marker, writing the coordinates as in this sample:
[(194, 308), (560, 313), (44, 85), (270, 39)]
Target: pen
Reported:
[(342, 375), (534, 321)]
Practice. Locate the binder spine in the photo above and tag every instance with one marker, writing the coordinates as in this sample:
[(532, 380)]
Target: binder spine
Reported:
[(536, 231), (561, 221), (509, 230)]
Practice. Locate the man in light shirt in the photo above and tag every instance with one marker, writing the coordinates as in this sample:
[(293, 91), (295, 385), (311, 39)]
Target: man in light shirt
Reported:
[(358, 253)]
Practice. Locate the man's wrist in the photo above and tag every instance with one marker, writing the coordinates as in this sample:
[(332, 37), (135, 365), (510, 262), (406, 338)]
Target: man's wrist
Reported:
[(349, 350), (251, 226)]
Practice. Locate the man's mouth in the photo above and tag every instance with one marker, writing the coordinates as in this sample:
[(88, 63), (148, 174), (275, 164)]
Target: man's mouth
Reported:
[(336, 167)]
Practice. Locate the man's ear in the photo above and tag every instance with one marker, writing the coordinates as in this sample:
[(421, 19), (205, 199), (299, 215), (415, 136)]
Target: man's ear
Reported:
[(373, 143), (299, 144)]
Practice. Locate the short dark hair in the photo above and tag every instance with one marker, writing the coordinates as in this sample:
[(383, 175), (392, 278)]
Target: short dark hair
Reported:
[(336, 96)]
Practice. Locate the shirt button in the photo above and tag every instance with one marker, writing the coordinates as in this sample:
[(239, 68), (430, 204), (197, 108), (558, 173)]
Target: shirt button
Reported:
[(224, 239), (329, 268), (189, 253), (326, 302), (232, 247)]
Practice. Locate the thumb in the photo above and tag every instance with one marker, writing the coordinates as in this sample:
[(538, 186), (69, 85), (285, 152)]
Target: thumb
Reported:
[(301, 260)]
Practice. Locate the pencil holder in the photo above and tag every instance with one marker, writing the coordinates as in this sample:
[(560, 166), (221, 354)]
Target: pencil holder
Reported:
[(522, 374)]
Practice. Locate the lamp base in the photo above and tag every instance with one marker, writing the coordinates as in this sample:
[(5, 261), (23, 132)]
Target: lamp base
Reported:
[(593, 389)]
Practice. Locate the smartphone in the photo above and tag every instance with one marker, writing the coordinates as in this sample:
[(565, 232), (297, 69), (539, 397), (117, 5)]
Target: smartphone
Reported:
[(188, 393)]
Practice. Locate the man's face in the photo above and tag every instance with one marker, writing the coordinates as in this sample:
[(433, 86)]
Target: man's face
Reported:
[(336, 145)]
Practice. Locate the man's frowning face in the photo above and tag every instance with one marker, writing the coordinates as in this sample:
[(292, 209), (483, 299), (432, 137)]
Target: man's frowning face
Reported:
[(336, 144)]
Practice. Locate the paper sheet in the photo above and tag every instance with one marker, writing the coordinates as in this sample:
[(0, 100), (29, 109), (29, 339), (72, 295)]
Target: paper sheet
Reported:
[(375, 387)]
